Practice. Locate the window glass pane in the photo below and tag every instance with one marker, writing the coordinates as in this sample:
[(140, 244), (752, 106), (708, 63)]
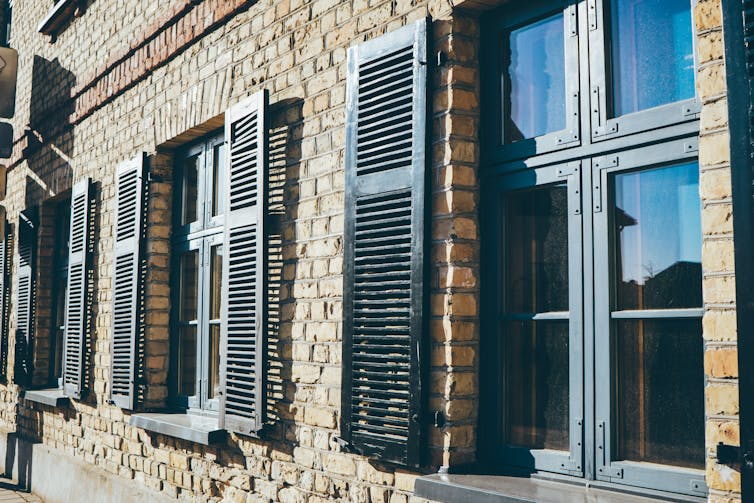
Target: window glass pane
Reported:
[(214, 360), (189, 277), (190, 188), (536, 82), (218, 179), (653, 53), (187, 360), (536, 250), (660, 388), (657, 228), (536, 384), (216, 278)]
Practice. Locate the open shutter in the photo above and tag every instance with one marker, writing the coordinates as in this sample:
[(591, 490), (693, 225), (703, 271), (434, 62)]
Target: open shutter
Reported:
[(384, 273), (242, 362), (76, 309), (5, 254), (129, 213), (27, 254)]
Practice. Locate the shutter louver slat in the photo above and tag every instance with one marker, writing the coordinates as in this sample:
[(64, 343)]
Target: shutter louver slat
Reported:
[(129, 215), (384, 274), (243, 326), (27, 251), (76, 308), (5, 246)]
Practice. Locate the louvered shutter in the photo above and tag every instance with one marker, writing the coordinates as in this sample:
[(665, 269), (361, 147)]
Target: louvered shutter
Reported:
[(129, 212), (4, 294), (242, 366), (76, 309), (27, 253), (384, 271)]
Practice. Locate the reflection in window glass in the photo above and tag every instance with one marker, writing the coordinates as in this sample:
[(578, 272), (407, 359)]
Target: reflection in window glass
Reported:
[(218, 179), (653, 53), (536, 381), (216, 277), (660, 387), (536, 83), (536, 250), (189, 285), (657, 228), (190, 190)]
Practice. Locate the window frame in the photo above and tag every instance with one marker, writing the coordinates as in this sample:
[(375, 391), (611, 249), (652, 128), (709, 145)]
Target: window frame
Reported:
[(604, 127), (494, 39), (500, 454), (646, 475), (59, 271), (200, 235)]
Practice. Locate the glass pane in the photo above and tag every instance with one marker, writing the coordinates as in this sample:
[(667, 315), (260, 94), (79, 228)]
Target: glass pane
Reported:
[(216, 278), (189, 277), (187, 361), (536, 250), (653, 53), (218, 179), (190, 188), (536, 80), (657, 228), (214, 360), (58, 328), (660, 387), (536, 384)]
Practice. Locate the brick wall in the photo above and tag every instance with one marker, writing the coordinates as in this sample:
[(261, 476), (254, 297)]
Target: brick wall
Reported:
[(719, 323)]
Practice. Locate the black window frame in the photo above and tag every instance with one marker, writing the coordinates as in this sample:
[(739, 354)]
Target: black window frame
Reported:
[(648, 140), (62, 218), (201, 235)]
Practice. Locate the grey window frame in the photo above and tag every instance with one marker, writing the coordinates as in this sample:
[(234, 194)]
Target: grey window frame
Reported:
[(494, 92), (568, 463), (201, 235), (605, 127), (654, 476), (644, 137)]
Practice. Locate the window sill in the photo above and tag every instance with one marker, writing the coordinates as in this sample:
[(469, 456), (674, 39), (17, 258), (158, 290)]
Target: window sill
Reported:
[(53, 397), (509, 489), (200, 429), (60, 14)]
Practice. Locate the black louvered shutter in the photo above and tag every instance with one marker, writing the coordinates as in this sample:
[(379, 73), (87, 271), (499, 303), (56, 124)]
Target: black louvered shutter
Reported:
[(27, 255), (76, 308), (129, 212), (384, 271), (5, 254), (242, 362)]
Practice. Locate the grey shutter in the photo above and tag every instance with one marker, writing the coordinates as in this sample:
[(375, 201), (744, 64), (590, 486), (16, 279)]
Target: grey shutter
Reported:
[(242, 362), (5, 246), (27, 253), (129, 214), (384, 270), (76, 308)]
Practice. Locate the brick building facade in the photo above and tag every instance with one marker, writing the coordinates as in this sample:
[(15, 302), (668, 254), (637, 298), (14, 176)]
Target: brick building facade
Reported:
[(112, 86)]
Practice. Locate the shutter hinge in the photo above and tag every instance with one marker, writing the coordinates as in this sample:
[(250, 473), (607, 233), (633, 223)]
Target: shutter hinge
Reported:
[(693, 109), (439, 419), (152, 177), (573, 25), (691, 146), (573, 464), (345, 445), (442, 58), (599, 166), (604, 468)]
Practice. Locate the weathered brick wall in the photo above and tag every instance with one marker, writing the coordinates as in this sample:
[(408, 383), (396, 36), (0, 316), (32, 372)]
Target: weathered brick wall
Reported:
[(721, 358), (148, 79)]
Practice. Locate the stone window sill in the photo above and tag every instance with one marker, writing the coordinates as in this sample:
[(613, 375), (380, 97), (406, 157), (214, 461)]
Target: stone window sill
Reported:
[(200, 429), (60, 15), (53, 397), (510, 489)]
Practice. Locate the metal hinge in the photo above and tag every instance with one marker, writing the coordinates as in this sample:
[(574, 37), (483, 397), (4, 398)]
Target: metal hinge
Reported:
[(574, 465), (600, 165), (593, 25), (574, 188), (691, 146), (573, 25), (604, 468), (693, 109)]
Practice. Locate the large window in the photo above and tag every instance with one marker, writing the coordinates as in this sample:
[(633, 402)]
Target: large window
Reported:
[(591, 334), (197, 273), (59, 289)]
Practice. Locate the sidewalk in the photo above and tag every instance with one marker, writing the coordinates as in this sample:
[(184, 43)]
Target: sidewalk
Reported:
[(10, 494)]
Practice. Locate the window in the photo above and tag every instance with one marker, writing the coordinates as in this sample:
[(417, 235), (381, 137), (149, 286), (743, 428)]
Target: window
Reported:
[(197, 273), (59, 279), (591, 335)]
